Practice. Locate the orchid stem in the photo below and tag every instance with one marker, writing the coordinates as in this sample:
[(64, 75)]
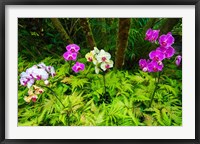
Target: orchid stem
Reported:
[(104, 81), (156, 85), (70, 66), (54, 94)]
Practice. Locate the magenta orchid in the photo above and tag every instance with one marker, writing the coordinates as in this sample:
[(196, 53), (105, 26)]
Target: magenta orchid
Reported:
[(143, 63), (168, 52), (165, 50), (152, 35), (78, 67), (69, 56), (155, 66), (156, 55), (73, 48), (166, 40)]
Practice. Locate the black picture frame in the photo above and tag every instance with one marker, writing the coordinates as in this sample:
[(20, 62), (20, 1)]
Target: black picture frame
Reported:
[(3, 4)]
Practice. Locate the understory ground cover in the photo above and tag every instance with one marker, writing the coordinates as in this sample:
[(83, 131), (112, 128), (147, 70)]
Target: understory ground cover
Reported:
[(100, 72)]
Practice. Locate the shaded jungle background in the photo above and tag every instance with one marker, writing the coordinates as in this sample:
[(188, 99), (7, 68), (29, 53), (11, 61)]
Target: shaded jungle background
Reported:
[(42, 37)]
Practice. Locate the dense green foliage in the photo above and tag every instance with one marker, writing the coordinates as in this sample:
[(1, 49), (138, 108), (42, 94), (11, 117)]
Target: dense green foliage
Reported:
[(128, 91)]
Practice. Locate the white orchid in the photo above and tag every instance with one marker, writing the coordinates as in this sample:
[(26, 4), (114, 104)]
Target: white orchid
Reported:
[(103, 56), (106, 65), (95, 51), (40, 74), (101, 59), (30, 83), (42, 65)]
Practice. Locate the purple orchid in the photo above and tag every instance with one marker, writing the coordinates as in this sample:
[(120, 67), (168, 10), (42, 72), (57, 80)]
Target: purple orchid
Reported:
[(155, 66), (152, 35), (143, 64), (156, 55), (42, 65), (166, 40), (39, 74), (78, 67), (27, 82), (73, 48), (178, 60), (168, 52), (70, 56)]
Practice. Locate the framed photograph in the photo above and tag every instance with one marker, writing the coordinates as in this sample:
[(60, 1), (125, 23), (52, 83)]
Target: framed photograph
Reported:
[(99, 71)]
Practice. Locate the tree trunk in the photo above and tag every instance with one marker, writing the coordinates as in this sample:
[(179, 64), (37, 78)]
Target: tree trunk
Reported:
[(168, 25), (57, 24), (103, 41), (88, 32), (122, 41)]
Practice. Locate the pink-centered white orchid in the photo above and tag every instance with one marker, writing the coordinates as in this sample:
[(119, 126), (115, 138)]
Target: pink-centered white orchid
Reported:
[(103, 56), (106, 65), (100, 58), (40, 74)]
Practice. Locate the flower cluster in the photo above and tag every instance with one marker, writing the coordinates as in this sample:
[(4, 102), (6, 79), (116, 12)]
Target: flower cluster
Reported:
[(101, 59), (165, 50), (71, 55), (36, 72), (32, 94)]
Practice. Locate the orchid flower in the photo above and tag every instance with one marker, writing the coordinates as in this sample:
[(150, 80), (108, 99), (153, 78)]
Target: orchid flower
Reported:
[(106, 65), (152, 35), (178, 60), (103, 56), (78, 67), (166, 40), (73, 48), (70, 56)]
